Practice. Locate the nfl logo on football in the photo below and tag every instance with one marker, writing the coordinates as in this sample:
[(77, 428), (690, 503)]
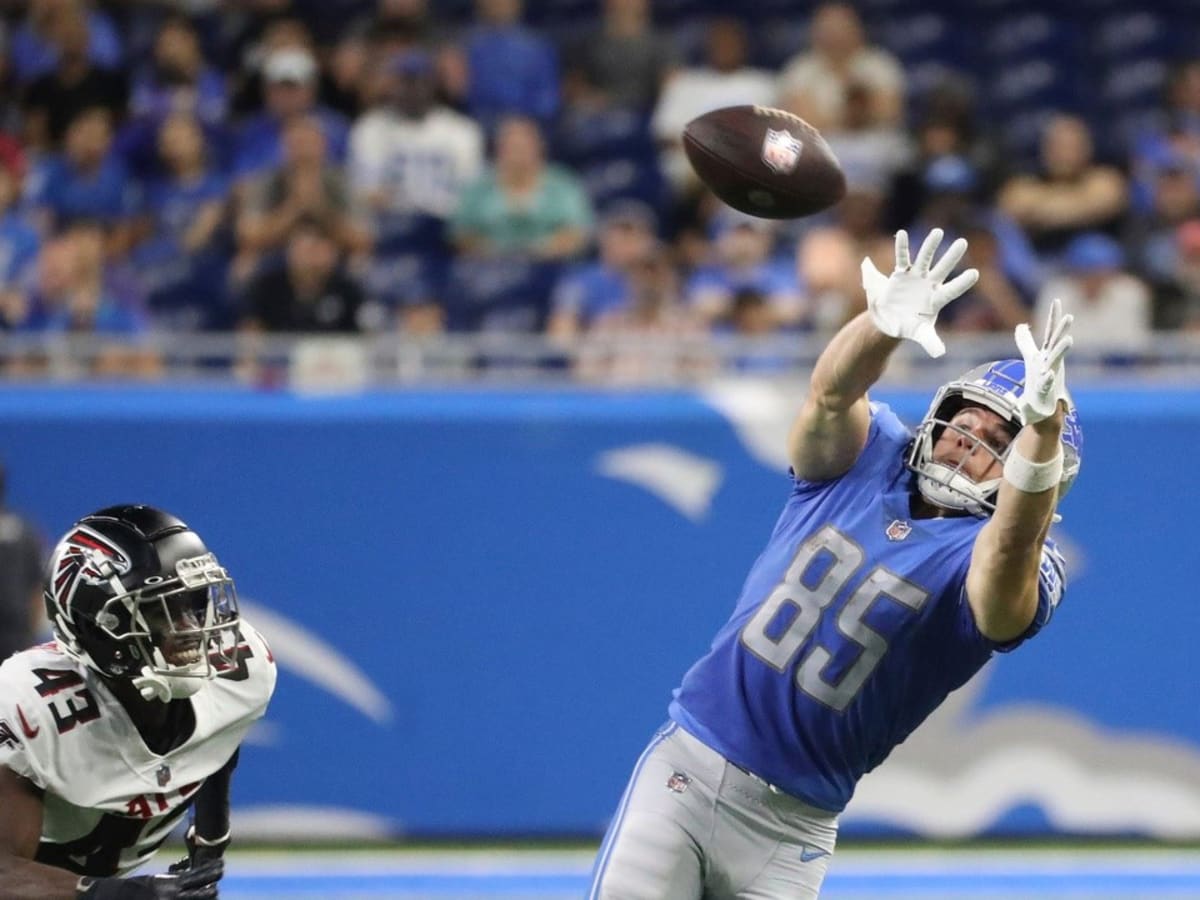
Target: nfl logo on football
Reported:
[(781, 151)]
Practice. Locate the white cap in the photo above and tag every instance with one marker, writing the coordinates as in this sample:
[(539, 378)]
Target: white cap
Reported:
[(290, 64)]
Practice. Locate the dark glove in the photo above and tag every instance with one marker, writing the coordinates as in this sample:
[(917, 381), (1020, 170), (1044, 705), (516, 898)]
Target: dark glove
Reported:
[(199, 850), (199, 883)]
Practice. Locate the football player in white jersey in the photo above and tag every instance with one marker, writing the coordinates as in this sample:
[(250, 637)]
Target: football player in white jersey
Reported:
[(132, 715)]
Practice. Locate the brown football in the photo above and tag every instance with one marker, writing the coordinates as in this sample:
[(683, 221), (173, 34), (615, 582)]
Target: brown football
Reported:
[(764, 161)]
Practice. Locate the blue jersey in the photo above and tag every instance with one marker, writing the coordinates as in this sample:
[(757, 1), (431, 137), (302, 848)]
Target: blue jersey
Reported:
[(852, 627)]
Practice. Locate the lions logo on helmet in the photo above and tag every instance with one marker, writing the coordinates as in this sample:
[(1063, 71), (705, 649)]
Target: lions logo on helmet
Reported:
[(995, 386)]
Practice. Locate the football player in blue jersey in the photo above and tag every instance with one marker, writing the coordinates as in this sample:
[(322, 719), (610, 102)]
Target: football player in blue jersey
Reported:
[(900, 563)]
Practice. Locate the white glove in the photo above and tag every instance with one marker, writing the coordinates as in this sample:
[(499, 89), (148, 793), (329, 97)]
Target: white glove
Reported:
[(907, 304), (1045, 378)]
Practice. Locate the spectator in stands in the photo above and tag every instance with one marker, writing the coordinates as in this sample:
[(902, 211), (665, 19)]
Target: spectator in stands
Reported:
[(88, 180), (948, 127), (19, 239), (1111, 307), (827, 266), (311, 292), (78, 291), (1071, 194), (725, 79), (750, 320), (624, 58), (21, 604), (622, 346), (949, 184), (1177, 139), (744, 247), (994, 303), (410, 160), (178, 79), (75, 84), (399, 25), (249, 48), (291, 94), (510, 69), (1179, 298), (307, 184), (523, 206), (346, 70), (871, 152), (180, 258), (589, 291), (35, 50), (1175, 199), (410, 16), (816, 84)]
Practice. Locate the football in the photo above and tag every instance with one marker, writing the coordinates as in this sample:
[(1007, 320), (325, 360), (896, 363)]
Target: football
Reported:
[(765, 162)]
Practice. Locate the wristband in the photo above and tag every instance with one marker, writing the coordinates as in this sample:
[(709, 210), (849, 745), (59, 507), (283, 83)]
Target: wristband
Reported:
[(1033, 477), (217, 842)]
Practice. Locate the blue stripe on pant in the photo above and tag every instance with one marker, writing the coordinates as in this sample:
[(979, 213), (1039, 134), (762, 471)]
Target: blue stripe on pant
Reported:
[(614, 828)]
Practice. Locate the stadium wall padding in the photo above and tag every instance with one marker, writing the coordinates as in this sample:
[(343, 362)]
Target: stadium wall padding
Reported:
[(481, 600)]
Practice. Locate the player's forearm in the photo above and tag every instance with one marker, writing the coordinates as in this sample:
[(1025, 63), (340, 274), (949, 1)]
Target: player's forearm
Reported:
[(1002, 579), (852, 362), (212, 803), (1022, 518), (24, 879)]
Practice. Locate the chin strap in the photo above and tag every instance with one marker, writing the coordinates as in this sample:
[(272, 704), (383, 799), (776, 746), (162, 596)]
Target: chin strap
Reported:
[(152, 686)]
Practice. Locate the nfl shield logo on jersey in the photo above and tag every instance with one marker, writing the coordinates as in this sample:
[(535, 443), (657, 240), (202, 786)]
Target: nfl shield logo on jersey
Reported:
[(781, 151), (678, 782), (163, 775), (898, 530)]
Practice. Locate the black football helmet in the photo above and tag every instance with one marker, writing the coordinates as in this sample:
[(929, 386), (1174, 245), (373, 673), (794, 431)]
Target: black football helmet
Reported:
[(132, 592)]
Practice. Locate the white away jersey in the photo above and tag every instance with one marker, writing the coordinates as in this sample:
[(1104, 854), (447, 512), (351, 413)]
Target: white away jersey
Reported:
[(109, 801), (423, 164)]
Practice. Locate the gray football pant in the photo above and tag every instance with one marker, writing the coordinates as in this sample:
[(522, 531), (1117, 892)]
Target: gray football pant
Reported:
[(692, 826)]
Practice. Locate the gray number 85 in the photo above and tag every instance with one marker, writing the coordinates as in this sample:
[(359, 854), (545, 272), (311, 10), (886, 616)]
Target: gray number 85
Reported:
[(809, 603)]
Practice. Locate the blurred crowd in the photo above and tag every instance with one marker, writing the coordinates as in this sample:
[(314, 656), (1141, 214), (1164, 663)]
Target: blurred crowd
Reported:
[(403, 165)]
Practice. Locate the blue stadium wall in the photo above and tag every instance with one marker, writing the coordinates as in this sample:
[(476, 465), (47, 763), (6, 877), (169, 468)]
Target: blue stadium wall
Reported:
[(480, 601)]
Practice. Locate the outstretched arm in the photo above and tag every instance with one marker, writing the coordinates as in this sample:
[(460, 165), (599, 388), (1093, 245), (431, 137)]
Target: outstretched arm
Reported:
[(831, 429), (1002, 581)]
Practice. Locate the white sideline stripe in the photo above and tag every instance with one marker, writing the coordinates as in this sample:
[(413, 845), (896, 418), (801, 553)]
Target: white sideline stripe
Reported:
[(985, 863)]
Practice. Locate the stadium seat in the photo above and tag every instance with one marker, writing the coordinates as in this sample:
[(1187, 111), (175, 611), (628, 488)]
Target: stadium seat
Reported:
[(498, 295), (920, 37), (1013, 37), (587, 136), (620, 179), (776, 40), (1133, 33)]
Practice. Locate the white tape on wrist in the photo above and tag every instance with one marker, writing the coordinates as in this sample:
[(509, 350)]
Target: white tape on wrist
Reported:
[(1033, 477)]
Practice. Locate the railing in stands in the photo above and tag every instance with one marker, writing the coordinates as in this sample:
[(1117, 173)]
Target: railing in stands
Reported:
[(320, 362)]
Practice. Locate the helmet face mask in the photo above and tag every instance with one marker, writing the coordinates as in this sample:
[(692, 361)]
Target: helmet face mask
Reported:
[(134, 594), (993, 386), (181, 627)]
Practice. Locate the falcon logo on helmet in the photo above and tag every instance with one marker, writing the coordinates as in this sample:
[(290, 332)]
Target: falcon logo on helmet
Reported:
[(132, 592), (84, 554)]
